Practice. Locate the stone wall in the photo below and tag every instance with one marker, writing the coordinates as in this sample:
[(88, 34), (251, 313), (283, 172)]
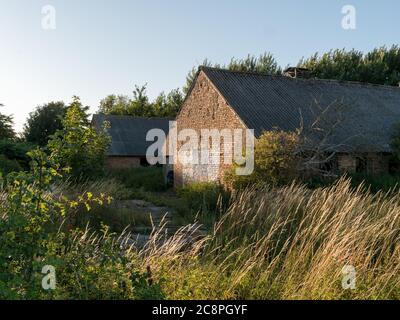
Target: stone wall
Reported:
[(204, 108)]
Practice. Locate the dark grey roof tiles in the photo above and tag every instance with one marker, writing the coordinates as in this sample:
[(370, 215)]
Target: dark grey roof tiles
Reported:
[(128, 134), (363, 113)]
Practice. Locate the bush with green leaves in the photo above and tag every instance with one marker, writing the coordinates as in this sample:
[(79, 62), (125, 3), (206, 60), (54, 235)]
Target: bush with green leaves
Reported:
[(7, 166), (276, 159), (15, 150), (78, 146), (34, 234)]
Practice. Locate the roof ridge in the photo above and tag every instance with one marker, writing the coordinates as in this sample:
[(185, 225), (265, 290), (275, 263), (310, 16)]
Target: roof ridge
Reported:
[(132, 117), (359, 83)]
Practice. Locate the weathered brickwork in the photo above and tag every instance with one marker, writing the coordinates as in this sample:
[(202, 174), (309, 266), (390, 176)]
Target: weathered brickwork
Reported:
[(378, 163), (370, 163), (113, 163), (204, 108), (347, 163)]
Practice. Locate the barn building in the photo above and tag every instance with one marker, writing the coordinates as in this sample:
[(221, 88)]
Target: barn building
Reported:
[(128, 138), (362, 115)]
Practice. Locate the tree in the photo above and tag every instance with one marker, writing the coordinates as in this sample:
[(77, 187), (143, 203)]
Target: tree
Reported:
[(264, 64), (78, 146), (15, 150), (6, 126), (140, 105), (380, 66), (44, 122), (114, 105), (168, 106)]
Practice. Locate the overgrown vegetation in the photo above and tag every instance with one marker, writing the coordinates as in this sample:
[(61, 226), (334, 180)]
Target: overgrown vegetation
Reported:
[(198, 202), (44, 122), (276, 161), (78, 146), (6, 126), (33, 234), (291, 243), (164, 106), (271, 243), (145, 178)]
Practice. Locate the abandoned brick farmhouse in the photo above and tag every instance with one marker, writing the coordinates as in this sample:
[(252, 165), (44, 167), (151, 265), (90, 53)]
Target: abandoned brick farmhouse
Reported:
[(359, 117)]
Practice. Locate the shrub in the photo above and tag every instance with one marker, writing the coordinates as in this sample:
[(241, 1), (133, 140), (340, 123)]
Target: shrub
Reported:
[(34, 233), (16, 151), (7, 166), (275, 160), (79, 146), (92, 267), (271, 243)]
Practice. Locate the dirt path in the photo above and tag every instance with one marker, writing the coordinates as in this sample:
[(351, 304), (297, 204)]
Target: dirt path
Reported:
[(149, 217)]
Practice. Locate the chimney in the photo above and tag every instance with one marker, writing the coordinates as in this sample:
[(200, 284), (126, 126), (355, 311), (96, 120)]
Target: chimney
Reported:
[(295, 72)]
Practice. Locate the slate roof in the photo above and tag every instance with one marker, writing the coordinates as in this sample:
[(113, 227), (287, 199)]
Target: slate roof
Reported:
[(128, 134), (363, 114)]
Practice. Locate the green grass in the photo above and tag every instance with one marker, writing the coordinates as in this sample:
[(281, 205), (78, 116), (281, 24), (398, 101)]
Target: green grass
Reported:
[(145, 178), (374, 184)]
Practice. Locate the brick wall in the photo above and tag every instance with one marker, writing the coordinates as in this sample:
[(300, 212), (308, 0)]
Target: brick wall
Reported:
[(122, 162), (378, 163), (371, 163), (204, 108), (347, 163)]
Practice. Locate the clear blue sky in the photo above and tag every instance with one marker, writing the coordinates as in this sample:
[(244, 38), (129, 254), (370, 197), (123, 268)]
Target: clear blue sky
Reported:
[(102, 47)]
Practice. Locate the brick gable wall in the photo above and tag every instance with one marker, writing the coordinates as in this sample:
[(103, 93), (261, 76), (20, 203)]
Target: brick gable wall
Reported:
[(204, 108)]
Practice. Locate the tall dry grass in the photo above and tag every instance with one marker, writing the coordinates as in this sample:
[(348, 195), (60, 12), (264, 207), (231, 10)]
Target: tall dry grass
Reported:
[(272, 243), (288, 243)]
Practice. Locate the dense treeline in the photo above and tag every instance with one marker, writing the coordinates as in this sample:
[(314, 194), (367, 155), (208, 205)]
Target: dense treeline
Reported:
[(164, 106), (380, 66)]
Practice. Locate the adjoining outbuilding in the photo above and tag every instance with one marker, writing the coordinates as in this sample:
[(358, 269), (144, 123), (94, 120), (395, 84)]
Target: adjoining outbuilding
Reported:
[(128, 138)]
